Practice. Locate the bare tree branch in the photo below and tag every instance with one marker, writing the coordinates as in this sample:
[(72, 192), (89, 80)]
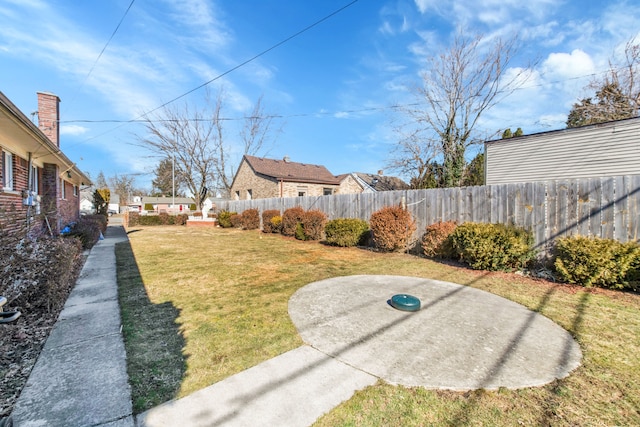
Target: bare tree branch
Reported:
[(457, 87)]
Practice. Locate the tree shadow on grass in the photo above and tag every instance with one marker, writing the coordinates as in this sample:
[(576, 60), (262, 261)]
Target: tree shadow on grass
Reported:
[(153, 340)]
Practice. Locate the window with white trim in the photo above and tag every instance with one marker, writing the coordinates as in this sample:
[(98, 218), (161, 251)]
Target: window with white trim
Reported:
[(63, 194), (75, 190), (34, 179), (7, 171)]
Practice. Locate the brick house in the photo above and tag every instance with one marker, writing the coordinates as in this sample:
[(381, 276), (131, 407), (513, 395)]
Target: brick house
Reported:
[(39, 185), (261, 178)]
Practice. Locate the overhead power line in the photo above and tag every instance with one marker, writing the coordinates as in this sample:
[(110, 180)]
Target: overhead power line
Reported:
[(242, 64), (104, 48)]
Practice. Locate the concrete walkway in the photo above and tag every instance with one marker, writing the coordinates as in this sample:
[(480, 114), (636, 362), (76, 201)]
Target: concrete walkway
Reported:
[(461, 339), (80, 378)]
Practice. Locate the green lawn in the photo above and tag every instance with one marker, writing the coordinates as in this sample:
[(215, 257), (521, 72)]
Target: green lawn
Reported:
[(199, 305)]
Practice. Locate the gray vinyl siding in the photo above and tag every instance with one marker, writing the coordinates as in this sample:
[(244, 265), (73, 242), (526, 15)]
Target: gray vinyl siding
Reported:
[(609, 149)]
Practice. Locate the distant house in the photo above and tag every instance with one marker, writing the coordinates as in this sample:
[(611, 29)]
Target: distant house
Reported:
[(262, 178), (371, 183), (605, 149), (38, 182), (165, 204)]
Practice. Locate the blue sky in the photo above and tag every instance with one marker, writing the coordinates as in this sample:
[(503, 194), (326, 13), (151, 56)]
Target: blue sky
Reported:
[(333, 84)]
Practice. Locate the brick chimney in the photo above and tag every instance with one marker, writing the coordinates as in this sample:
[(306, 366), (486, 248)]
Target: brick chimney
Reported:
[(49, 116)]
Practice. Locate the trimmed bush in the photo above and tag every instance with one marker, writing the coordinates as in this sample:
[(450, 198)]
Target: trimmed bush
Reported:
[(251, 219), (267, 226), (392, 228), (165, 219), (236, 220), (181, 219), (224, 219), (290, 219), (313, 223), (492, 247), (276, 224), (132, 218), (38, 273), (599, 262), (87, 230), (346, 231), (149, 220), (436, 242)]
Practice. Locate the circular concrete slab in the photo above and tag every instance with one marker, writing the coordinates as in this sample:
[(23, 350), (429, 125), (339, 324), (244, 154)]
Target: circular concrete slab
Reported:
[(461, 339)]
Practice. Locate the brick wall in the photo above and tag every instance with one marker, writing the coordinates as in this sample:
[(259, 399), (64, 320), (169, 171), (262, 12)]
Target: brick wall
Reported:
[(49, 116), (261, 187), (13, 214)]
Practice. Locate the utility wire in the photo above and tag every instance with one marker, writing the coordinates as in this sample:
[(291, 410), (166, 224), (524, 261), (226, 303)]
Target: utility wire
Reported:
[(103, 49), (242, 64)]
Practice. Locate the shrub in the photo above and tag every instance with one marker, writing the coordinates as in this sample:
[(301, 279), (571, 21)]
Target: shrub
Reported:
[(346, 231), (597, 262), (251, 219), (492, 246), (149, 220), (165, 219), (313, 223), (132, 219), (197, 214), (236, 220), (101, 220), (436, 242), (181, 219), (290, 219), (87, 231), (300, 232), (392, 228), (224, 219), (267, 226), (38, 273), (276, 224)]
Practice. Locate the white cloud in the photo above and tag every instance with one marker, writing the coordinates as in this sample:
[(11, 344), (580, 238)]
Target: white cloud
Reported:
[(563, 65), (73, 130)]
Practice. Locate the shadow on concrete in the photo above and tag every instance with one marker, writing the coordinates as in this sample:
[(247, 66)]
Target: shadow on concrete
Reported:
[(153, 340)]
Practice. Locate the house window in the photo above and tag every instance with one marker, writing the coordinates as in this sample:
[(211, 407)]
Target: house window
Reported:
[(34, 179), (249, 194), (237, 195), (327, 191), (7, 171), (63, 194), (302, 191), (75, 190)]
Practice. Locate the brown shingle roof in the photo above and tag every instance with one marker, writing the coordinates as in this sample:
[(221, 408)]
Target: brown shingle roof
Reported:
[(383, 182), (291, 171)]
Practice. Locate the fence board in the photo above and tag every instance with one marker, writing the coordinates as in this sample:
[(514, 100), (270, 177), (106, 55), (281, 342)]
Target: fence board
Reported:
[(634, 207), (607, 211)]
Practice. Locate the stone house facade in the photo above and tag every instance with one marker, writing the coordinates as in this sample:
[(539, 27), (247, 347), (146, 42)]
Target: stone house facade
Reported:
[(262, 178), (39, 185)]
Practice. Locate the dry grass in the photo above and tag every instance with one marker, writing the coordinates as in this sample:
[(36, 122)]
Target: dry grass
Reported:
[(229, 292)]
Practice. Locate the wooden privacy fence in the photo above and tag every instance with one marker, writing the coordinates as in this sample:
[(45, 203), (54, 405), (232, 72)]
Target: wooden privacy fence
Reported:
[(606, 207)]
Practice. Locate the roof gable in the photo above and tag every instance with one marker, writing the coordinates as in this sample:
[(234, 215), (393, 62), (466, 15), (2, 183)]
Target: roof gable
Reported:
[(286, 170)]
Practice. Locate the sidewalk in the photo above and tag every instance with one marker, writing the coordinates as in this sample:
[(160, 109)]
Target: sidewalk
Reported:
[(80, 378)]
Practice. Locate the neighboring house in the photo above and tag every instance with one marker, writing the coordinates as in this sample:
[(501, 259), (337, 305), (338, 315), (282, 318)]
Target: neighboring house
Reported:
[(38, 182), (167, 204), (605, 149), (371, 183), (261, 178)]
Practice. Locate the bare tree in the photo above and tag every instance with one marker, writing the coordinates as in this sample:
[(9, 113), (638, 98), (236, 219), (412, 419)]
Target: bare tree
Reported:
[(123, 186), (457, 87), (197, 139), (617, 94)]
